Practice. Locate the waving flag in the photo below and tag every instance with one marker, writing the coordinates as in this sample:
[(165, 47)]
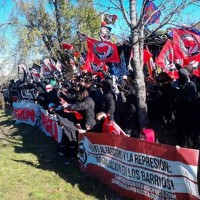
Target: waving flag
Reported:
[(195, 68), (50, 63), (148, 60), (146, 55), (67, 46), (95, 68), (102, 51), (186, 45), (36, 67), (110, 127), (165, 60), (151, 13), (46, 71), (21, 68), (108, 19), (104, 33), (34, 74), (82, 36)]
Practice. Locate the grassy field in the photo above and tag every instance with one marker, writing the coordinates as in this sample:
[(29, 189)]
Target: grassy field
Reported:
[(30, 168)]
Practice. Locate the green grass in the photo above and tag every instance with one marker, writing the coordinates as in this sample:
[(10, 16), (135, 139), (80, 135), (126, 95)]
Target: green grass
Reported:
[(30, 168)]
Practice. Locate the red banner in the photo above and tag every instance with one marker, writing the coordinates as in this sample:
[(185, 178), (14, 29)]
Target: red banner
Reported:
[(50, 126), (25, 113), (29, 113), (139, 169)]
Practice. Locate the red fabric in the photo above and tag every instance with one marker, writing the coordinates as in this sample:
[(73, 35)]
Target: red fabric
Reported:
[(77, 114), (150, 135), (101, 51), (148, 60), (151, 13), (146, 55), (67, 46), (108, 19), (110, 127), (95, 67), (186, 45), (165, 60), (150, 66)]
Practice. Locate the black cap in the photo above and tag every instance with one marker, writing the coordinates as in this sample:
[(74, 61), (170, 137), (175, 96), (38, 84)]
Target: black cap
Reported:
[(183, 72)]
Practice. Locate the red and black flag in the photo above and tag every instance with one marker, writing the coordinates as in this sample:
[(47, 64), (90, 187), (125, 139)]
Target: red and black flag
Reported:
[(165, 60), (104, 33), (148, 60), (108, 19), (95, 68), (36, 67), (102, 51), (82, 36), (186, 45), (67, 46), (151, 13)]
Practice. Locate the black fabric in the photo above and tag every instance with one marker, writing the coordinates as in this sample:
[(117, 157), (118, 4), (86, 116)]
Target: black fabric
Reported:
[(87, 105), (27, 92), (69, 128), (184, 108), (108, 104), (52, 97)]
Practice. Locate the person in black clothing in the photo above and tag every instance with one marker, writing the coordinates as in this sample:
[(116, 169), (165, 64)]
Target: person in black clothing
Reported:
[(86, 108), (14, 95), (184, 95), (52, 96), (127, 112), (108, 101), (95, 93), (164, 82)]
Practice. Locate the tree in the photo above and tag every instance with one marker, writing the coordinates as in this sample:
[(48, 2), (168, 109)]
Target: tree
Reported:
[(40, 27), (171, 15)]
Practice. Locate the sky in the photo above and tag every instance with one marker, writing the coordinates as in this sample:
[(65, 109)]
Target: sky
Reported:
[(191, 14)]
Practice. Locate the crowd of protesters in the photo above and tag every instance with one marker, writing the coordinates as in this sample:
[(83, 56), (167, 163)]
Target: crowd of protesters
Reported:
[(83, 101)]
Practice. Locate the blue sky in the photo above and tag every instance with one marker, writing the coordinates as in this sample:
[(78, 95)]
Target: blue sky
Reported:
[(191, 14), (5, 10)]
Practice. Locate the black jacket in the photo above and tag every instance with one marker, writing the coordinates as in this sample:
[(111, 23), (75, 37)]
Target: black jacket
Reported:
[(108, 104), (87, 106)]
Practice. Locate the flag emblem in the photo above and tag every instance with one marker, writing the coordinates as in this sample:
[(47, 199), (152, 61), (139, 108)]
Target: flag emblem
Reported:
[(103, 51), (189, 45), (168, 59)]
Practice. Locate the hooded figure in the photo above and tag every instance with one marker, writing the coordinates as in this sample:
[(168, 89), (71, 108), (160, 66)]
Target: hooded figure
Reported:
[(184, 99), (148, 135), (108, 101), (183, 75)]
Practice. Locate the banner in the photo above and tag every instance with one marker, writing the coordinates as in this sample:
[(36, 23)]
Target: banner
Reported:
[(31, 113), (25, 112), (138, 169), (50, 126)]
